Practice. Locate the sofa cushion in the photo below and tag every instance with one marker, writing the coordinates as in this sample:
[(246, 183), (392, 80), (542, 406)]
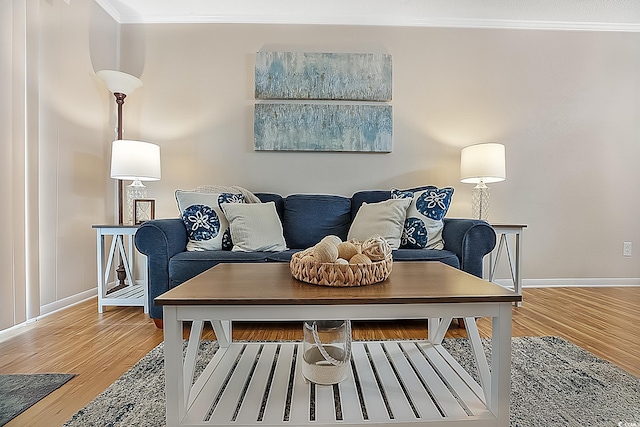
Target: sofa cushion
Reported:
[(385, 219), (185, 265), (284, 256), (443, 256), (255, 227), (206, 224), (424, 223), (368, 196), (310, 217)]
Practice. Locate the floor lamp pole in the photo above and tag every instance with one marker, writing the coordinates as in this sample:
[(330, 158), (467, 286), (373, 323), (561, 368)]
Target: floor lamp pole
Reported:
[(120, 100), (121, 272)]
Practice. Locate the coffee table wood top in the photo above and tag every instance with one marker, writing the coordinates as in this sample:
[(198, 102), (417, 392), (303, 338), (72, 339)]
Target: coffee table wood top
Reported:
[(272, 283)]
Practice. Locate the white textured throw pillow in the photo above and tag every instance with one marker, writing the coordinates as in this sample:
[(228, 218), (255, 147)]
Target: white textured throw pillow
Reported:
[(383, 218), (255, 227)]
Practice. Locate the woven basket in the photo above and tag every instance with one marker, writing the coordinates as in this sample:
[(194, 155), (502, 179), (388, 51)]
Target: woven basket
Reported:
[(340, 275)]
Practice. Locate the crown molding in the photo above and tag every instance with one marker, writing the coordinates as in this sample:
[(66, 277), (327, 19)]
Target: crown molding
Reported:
[(525, 24), (384, 21), (110, 9), (573, 15)]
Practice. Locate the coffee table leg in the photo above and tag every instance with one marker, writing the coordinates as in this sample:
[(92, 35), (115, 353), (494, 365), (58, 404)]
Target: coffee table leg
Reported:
[(174, 377), (496, 382), (501, 364)]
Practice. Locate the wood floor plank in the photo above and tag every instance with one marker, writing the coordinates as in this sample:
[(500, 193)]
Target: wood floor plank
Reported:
[(99, 348)]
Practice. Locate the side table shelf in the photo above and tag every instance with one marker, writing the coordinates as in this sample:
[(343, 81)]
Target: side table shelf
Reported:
[(134, 291)]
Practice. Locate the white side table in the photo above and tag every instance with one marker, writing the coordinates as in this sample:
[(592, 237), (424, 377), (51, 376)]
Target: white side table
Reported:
[(503, 231), (134, 293)]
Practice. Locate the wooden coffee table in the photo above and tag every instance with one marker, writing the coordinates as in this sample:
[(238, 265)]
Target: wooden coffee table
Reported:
[(391, 382)]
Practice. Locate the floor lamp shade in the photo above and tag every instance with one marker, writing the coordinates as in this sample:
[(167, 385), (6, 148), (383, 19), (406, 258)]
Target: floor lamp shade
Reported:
[(481, 164), (119, 82)]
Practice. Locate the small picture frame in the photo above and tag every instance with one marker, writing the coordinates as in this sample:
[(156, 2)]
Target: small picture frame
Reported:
[(143, 210)]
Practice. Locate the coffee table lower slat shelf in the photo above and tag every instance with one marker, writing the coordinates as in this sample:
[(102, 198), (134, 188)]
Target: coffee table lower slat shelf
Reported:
[(391, 382)]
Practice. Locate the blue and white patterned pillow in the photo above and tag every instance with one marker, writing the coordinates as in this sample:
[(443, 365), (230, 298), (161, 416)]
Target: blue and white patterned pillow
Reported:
[(424, 223), (207, 226)]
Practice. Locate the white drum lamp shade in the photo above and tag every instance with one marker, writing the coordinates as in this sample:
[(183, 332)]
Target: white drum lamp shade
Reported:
[(135, 160), (481, 164)]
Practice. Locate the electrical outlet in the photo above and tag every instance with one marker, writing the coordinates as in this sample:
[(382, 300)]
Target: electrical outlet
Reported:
[(626, 248)]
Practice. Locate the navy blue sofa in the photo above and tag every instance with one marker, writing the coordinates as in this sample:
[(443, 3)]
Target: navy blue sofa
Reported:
[(306, 219)]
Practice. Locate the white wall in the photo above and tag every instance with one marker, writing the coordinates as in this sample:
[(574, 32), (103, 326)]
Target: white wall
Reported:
[(54, 143), (12, 86), (565, 104), (75, 113)]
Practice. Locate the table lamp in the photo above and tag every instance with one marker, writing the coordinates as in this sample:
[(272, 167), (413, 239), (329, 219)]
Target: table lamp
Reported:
[(136, 161), (482, 164)]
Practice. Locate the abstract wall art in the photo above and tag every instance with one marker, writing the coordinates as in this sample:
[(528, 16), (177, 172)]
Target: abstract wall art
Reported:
[(323, 76), (323, 102), (323, 127)]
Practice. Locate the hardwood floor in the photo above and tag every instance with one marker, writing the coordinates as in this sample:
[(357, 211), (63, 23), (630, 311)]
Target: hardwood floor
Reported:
[(101, 347)]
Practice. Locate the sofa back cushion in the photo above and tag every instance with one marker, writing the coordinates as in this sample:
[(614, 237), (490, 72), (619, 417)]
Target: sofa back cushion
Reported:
[(310, 217), (369, 196), (275, 198)]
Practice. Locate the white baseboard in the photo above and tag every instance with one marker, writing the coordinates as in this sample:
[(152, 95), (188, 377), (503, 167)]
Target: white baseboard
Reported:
[(67, 302), (48, 309), (573, 282), (11, 332)]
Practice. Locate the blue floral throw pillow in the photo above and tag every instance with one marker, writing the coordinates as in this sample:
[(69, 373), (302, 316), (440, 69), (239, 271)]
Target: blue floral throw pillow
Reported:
[(207, 226), (424, 223)]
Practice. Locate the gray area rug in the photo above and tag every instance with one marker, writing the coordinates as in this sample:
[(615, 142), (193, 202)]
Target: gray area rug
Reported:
[(554, 383), (18, 392)]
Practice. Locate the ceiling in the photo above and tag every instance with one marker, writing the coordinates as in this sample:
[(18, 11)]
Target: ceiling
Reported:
[(593, 15)]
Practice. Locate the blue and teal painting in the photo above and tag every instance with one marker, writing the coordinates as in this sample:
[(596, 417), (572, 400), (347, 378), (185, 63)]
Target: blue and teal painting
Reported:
[(323, 76), (323, 127)]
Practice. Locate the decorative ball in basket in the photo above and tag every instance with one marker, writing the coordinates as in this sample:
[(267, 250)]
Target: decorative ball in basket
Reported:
[(333, 262)]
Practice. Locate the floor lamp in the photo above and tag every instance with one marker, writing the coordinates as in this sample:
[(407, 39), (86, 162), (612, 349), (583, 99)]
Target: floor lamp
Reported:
[(120, 84), (482, 164)]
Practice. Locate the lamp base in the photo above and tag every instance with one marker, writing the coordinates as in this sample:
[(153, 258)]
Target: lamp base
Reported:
[(135, 190), (480, 201)]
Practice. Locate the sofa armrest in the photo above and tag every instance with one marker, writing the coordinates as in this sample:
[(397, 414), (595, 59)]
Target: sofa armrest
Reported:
[(159, 240), (470, 240)]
